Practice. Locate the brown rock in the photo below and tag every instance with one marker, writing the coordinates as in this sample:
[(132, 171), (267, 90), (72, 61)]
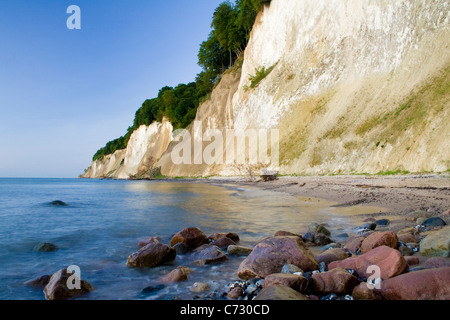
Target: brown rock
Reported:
[(428, 284), (390, 262), (296, 282), (407, 235), (223, 242), (57, 289), (236, 293), (411, 261), (231, 235), (333, 254), (192, 237), (279, 292), (285, 233), (271, 254), (354, 243), (437, 262), (179, 274), (40, 282), (208, 254), (379, 238), (338, 281), (151, 255), (362, 292), (147, 241)]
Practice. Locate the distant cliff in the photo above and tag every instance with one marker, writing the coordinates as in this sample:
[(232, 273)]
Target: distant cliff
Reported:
[(354, 87)]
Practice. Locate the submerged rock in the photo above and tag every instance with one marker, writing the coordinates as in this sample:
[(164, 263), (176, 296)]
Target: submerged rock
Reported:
[(192, 237), (208, 255), (179, 274), (57, 289), (58, 203), (151, 255), (45, 247)]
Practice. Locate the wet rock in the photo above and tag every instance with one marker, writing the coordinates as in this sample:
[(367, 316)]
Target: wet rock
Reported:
[(45, 247), (152, 289), (148, 241), (191, 237), (290, 268), (181, 248), (428, 284), (179, 274), (321, 239), (436, 262), (231, 235), (338, 281), (236, 293), (376, 239), (369, 225), (57, 289), (437, 243), (405, 250), (271, 254), (199, 287), (333, 254), (318, 228), (390, 262), (331, 296), (353, 244), (223, 242), (285, 233), (279, 292), (58, 203), (208, 255), (296, 282), (40, 282), (151, 255), (382, 222), (433, 222), (239, 250), (363, 292)]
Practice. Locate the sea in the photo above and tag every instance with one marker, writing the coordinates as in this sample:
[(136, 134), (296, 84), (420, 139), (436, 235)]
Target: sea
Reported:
[(104, 220)]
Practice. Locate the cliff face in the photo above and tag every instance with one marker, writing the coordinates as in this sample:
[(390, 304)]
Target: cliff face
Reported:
[(356, 86)]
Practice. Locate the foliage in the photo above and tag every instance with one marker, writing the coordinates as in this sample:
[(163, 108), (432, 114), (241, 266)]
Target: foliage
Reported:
[(260, 74)]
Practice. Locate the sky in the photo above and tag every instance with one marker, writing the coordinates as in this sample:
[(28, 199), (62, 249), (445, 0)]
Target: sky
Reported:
[(65, 92)]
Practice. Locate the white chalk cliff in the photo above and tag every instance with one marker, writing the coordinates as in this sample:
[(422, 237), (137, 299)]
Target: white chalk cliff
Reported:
[(356, 86)]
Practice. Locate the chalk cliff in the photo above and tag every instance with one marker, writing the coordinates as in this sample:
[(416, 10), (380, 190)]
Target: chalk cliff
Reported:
[(356, 86)]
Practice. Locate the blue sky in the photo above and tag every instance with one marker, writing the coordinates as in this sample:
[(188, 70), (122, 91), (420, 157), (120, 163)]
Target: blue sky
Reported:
[(65, 93)]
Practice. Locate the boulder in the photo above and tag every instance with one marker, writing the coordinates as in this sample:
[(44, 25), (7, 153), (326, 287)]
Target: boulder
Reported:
[(58, 203), (45, 247), (239, 250), (223, 242), (178, 274), (285, 233), (152, 255), (318, 228), (338, 281), (390, 262), (332, 254), (40, 282), (192, 237), (296, 282), (379, 238), (279, 292), (199, 287), (437, 243), (271, 254), (363, 292), (57, 289), (428, 284), (433, 222), (208, 254), (437, 262), (411, 261), (353, 244), (231, 235), (147, 241)]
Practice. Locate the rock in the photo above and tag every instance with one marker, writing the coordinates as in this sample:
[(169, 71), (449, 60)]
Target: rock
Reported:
[(382, 222), (437, 243), (407, 235), (411, 261), (45, 247), (433, 222), (353, 244), (223, 242), (271, 254), (191, 237), (436, 262), (428, 284), (268, 175), (405, 250), (239, 250), (338, 281), (296, 282), (285, 233), (151, 255), (446, 213), (235, 293), (179, 274), (318, 228), (151, 289), (332, 254), (58, 203), (321, 239), (308, 237), (57, 289), (40, 282), (290, 268), (279, 292), (390, 262), (362, 292), (181, 248), (369, 225), (231, 235), (376, 239), (199, 287), (147, 241), (208, 254)]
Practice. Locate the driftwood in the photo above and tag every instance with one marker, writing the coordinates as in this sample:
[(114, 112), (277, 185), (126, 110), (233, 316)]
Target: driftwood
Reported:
[(268, 175)]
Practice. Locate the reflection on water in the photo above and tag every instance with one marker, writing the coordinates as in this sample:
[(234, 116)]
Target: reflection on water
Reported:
[(104, 221)]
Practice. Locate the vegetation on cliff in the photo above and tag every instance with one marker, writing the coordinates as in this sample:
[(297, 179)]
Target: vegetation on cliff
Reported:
[(230, 30)]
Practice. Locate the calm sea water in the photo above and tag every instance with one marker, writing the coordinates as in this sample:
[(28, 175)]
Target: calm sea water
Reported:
[(105, 219)]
